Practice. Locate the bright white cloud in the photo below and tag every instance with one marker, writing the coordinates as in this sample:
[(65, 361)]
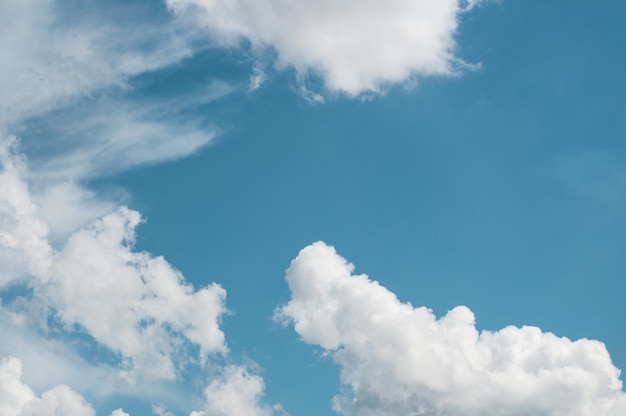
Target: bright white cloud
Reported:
[(24, 247), (398, 359), (355, 46), (66, 207), (132, 302), (17, 399), (235, 393), (13, 394), (135, 305)]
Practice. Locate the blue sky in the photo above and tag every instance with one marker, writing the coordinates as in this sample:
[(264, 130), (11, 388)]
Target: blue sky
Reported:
[(165, 163)]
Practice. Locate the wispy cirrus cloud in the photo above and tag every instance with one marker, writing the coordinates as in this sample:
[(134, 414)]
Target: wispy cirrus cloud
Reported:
[(124, 131), (53, 53), (66, 77), (399, 359)]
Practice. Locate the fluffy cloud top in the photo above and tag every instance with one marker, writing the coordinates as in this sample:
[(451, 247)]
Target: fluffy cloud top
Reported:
[(235, 393), (17, 399), (24, 247), (398, 359), (134, 304), (354, 45)]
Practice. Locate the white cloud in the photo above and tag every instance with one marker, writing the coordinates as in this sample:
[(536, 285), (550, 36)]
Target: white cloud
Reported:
[(13, 394), (355, 46), (51, 359), (121, 142), (51, 54), (17, 399), (67, 69), (136, 306), (132, 302), (398, 359), (24, 247), (160, 410), (235, 393), (66, 207), (257, 78)]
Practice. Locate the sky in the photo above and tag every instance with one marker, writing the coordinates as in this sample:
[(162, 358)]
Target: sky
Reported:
[(305, 208)]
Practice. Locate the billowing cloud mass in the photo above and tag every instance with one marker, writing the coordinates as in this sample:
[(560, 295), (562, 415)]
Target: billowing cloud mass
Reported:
[(396, 359), (355, 46), (235, 393), (17, 399), (24, 247), (134, 305), (132, 302)]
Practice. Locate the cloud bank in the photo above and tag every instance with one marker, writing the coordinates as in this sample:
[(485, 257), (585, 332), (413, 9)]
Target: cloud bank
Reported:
[(355, 46), (17, 399), (148, 323), (24, 247), (399, 359)]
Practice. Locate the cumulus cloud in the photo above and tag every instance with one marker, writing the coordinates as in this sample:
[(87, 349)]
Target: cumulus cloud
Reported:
[(24, 247), (134, 303), (17, 399), (65, 207), (236, 392), (399, 359), (355, 46), (136, 306)]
